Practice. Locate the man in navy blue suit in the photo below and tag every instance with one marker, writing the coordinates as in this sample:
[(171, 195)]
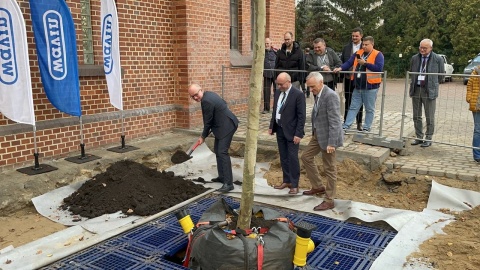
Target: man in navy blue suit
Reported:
[(217, 118), (288, 122)]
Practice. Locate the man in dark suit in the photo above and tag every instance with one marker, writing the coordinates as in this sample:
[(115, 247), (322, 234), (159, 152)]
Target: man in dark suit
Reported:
[(348, 86), (288, 122), (217, 118), (327, 137)]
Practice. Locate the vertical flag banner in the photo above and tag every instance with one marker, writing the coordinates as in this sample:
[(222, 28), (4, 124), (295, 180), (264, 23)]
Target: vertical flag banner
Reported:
[(111, 52), (16, 100), (56, 44)]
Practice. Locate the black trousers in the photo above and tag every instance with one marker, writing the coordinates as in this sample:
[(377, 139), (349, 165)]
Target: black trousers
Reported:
[(288, 159), (267, 90), (224, 163), (348, 92)]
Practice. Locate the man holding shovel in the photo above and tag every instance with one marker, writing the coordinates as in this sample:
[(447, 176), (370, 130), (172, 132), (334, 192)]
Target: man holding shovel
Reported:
[(217, 118)]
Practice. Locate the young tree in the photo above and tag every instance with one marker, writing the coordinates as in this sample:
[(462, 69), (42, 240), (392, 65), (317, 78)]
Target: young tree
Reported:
[(256, 80)]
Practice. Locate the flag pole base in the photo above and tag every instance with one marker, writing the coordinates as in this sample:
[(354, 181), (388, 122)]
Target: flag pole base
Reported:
[(37, 168), (83, 158), (123, 148)]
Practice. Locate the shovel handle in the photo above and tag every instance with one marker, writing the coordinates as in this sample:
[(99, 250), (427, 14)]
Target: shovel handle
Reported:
[(193, 148)]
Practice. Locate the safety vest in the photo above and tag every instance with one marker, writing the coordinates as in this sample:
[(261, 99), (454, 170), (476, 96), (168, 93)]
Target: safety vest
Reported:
[(372, 78)]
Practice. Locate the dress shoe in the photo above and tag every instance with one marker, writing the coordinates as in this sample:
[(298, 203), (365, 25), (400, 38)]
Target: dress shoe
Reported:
[(477, 160), (359, 127), (293, 191), (217, 179), (225, 188), (417, 142), (313, 191), (426, 144), (324, 206), (283, 185)]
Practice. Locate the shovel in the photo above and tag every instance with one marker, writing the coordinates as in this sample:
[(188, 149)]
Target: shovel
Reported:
[(179, 156)]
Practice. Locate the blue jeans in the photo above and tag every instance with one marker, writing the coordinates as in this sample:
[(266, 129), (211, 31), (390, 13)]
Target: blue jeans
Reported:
[(476, 135), (368, 99)]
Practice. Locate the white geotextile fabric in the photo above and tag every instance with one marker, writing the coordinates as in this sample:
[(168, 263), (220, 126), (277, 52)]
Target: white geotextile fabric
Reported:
[(413, 227)]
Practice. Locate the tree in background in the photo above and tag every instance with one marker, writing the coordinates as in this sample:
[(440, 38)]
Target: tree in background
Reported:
[(463, 24), (398, 26)]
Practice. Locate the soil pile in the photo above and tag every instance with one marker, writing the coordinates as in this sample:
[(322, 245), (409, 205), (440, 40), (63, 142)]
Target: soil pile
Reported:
[(132, 188)]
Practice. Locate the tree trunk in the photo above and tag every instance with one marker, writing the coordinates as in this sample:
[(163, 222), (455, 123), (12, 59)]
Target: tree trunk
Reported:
[(256, 86)]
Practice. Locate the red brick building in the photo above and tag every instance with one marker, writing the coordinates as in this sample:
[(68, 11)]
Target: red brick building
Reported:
[(165, 46)]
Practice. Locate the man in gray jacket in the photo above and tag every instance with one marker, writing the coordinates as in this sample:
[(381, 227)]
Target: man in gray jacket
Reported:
[(327, 137), (323, 58), (424, 90)]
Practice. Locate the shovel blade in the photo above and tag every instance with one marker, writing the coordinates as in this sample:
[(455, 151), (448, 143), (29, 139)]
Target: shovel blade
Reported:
[(180, 157)]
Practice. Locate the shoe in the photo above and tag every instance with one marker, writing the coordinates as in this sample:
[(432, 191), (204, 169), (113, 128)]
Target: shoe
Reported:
[(283, 185), (426, 144), (324, 206), (293, 191), (477, 160), (359, 127), (314, 191), (417, 142), (217, 180), (265, 111), (365, 130), (225, 188)]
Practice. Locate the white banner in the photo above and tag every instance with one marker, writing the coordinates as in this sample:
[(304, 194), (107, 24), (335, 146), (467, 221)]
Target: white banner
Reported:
[(16, 101), (111, 52)]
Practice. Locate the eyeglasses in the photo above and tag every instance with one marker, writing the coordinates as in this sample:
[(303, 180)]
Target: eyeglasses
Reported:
[(196, 94)]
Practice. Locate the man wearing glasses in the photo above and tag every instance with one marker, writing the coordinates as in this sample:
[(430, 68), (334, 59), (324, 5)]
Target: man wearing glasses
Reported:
[(217, 118), (424, 90), (288, 122)]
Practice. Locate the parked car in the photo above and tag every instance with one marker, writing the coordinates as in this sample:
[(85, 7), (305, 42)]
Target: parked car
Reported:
[(469, 68), (448, 69)]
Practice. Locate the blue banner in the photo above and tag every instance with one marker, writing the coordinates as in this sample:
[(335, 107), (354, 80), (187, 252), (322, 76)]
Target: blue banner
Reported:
[(56, 45)]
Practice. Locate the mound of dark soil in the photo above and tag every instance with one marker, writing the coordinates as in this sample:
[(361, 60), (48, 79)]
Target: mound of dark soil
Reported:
[(132, 188)]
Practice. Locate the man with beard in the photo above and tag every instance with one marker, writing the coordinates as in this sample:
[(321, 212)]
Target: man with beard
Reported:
[(291, 57)]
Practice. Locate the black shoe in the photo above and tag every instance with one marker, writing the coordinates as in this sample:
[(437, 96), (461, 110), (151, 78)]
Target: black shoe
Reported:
[(217, 179), (359, 127), (417, 142), (477, 160), (426, 144), (225, 188)]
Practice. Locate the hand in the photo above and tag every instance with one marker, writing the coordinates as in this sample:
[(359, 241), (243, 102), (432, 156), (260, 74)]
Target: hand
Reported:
[(200, 140), (326, 68), (296, 140), (330, 149), (270, 131), (361, 61), (337, 69)]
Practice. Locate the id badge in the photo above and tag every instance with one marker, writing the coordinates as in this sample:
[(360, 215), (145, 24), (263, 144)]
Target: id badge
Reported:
[(421, 77), (359, 75)]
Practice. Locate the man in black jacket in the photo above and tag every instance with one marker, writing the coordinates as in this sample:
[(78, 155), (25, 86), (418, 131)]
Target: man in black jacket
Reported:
[(217, 118), (291, 57)]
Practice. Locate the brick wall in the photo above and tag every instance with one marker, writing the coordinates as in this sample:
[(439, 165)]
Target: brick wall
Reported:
[(165, 46)]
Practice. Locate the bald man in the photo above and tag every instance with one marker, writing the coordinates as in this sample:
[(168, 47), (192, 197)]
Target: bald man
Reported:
[(217, 118)]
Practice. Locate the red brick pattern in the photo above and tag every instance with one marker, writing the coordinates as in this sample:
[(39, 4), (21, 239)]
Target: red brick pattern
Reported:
[(165, 46)]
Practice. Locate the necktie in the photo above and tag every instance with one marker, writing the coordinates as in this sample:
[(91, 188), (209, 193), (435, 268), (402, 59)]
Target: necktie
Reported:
[(281, 102), (423, 69)]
